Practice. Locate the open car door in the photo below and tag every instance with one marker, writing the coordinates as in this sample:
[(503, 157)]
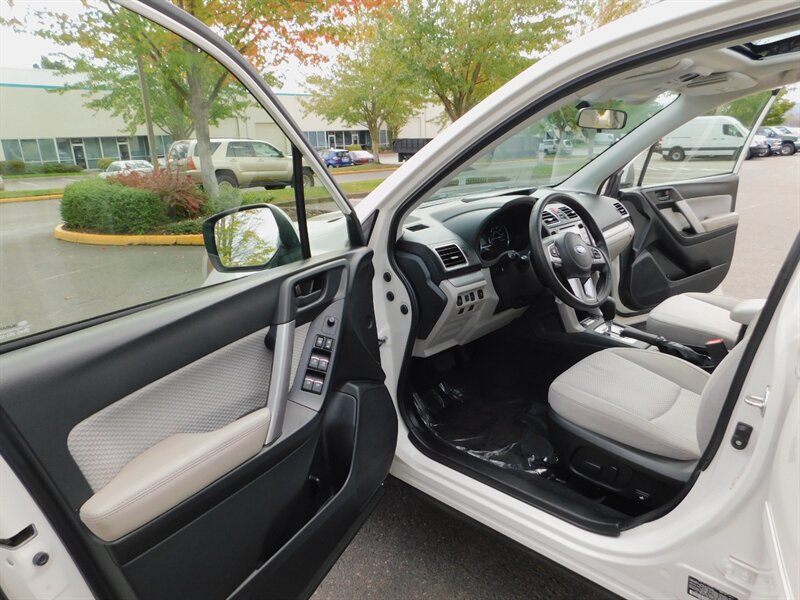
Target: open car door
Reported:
[(224, 442), (683, 208)]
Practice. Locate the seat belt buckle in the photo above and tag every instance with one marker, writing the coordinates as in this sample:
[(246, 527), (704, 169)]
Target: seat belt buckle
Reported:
[(716, 350)]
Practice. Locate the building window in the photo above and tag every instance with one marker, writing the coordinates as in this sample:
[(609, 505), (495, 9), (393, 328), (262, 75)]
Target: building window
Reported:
[(47, 149), (93, 152), (30, 151), (64, 151), (11, 150), (109, 145), (384, 137)]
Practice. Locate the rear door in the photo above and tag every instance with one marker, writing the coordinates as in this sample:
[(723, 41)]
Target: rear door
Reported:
[(273, 166), (684, 213), (169, 433)]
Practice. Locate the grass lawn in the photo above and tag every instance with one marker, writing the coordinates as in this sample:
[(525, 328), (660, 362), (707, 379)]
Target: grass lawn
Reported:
[(318, 192), (28, 193), (364, 167), (44, 175)]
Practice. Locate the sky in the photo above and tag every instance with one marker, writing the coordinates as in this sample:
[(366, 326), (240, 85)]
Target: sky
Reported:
[(23, 50)]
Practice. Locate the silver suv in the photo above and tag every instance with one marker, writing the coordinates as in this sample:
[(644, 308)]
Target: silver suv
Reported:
[(238, 163)]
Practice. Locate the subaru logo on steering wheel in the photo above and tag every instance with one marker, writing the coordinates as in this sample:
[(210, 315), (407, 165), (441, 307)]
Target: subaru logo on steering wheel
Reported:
[(580, 249)]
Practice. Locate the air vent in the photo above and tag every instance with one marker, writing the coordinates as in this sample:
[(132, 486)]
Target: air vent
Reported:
[(621, 209), (451, 256), (549, 218), (568, 212)]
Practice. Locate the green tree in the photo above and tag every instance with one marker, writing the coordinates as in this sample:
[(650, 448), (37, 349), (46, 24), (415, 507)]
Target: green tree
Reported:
[(781, 106), (370, 89), (592, 14), (460, 52), (747, 109), (181, 76)]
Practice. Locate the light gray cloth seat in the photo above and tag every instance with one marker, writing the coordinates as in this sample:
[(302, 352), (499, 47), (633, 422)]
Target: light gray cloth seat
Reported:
[(695, 318), (652, 402)]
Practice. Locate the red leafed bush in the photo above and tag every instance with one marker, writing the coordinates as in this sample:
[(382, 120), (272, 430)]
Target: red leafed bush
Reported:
[(178, 192)]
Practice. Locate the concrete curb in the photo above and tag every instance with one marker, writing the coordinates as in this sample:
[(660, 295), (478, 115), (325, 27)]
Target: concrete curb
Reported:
[(30, 198), (108, 239)]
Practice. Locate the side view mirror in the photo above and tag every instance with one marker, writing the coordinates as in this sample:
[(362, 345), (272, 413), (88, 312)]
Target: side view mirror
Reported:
[(602, 118), (250, 238)]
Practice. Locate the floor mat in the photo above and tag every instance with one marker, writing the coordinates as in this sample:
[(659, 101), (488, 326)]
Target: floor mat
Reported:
[(495, 421)]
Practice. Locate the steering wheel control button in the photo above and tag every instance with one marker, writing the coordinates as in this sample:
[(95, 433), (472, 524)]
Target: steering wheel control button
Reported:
[(596, 253)]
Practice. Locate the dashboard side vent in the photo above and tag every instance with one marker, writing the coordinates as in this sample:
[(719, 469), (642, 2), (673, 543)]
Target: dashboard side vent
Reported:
[(571, 214), (621, 209), (549, 218), (452, 256)]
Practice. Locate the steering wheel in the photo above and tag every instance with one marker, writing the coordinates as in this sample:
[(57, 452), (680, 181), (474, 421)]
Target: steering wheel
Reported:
[(579, 274)]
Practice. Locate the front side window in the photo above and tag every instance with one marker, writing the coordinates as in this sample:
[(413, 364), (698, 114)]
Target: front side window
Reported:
[(114, 242)]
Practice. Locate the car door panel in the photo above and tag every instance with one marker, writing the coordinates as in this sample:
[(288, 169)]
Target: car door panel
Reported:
[(79, 410), (684, 240)]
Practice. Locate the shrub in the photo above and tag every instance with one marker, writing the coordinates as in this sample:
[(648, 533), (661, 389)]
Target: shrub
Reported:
[(103, 163), (111, 208), (180, 195), (228, 198), (12, 167), (184, 227), (61, 168), (353, 147)]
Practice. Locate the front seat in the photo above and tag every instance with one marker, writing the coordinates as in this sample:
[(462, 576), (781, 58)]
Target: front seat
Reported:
[(694, 319), (636, 421)]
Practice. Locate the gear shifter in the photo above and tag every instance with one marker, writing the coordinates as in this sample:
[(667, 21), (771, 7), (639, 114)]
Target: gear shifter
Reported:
[(609, 310)]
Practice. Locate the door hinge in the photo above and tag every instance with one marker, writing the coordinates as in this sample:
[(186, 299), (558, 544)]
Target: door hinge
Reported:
[(760, 402)]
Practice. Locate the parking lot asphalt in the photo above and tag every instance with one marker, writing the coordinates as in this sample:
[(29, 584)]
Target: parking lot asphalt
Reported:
[(409, 547)]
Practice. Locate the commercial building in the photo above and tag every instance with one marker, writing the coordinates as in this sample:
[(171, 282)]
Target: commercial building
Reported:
[(41, 122)]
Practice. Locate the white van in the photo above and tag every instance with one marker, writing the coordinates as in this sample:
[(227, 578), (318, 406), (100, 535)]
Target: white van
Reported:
[(716, 135)]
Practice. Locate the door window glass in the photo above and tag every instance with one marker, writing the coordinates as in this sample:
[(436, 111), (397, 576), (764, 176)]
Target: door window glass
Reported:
[(109, 243), (706, 146)]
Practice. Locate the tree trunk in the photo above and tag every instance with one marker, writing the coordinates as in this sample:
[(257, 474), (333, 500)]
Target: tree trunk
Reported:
[(148, 115), (375, 134), (200, 112)]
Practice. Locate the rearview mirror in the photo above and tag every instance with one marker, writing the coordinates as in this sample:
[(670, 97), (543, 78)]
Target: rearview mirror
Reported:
[(250, 238), (602, 118)]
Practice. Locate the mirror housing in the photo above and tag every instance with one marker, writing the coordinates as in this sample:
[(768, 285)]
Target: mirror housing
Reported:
[(254, 237), (602, 118)]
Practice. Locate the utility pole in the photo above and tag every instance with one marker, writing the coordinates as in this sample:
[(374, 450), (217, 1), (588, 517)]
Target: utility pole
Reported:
[(148, 117)]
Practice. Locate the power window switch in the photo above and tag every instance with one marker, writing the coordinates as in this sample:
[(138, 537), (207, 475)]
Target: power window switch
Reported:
[(328, 344), (319, 342), (313, 363), (317, 387), (308, 384), (322, 365)]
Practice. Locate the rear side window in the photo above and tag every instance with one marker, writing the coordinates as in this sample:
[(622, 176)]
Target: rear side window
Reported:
[(240, 149), (178, 151), (262, 149), (214, 146)]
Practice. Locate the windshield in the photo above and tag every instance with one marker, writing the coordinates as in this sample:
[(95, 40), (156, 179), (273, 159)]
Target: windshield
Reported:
[(547, 151)]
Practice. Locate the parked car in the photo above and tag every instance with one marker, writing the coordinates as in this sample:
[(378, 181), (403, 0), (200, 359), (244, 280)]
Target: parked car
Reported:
[(123, 167), (408, 147), (788, 141), (784, 130), (238, 163), (707, 136), (336, 157), (455, 328), (361, 157), (758, 147), (552, 145)]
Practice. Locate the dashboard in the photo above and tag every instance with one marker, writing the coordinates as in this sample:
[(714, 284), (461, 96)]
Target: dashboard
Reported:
[(468, 260)]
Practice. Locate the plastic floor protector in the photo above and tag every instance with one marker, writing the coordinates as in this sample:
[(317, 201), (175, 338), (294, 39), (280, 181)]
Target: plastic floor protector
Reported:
[(500, 424)]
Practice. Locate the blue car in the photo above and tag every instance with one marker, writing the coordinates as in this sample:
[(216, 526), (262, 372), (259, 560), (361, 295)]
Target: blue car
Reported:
[(336, 158)]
